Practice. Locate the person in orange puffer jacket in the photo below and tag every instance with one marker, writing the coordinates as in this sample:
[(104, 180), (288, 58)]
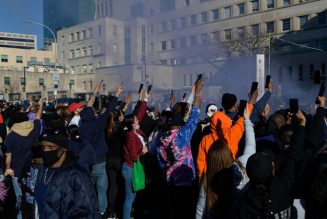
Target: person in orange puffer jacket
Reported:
[(222, 126)]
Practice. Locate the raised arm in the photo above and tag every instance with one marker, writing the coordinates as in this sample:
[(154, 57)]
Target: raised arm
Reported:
[(250, 145), (95, 93), (40, 111), (260, 105)]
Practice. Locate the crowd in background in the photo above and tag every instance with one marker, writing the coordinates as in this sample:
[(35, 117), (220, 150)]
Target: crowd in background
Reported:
[(240, 161)]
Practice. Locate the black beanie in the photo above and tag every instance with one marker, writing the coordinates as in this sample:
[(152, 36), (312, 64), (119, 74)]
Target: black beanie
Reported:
[(259, 167), (228, 100), (58, 137)]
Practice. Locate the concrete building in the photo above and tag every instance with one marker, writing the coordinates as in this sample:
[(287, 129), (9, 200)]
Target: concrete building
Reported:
[(59, 14), (26, 72), (169, 42), (17, 41)]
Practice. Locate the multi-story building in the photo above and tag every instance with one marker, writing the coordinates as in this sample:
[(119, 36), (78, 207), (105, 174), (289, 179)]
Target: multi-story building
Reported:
[(26, 71), (58, 14), (17, 41), (169, 42)]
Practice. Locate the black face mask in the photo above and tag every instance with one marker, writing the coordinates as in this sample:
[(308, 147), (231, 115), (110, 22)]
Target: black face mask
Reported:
[(50, 157)]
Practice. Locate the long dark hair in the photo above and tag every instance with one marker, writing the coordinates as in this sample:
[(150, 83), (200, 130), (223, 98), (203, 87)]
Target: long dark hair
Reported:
[(218, 180), (129, 121)]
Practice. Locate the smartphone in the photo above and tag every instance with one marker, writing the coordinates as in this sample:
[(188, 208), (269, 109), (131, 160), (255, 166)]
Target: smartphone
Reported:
[(171, 92), (241, 107), (294, 105), (101, 81), (321, 90), (254, 87), (149, 88), (141, 87), (316, 77), (184, 96), (268, 78), (199, 78)]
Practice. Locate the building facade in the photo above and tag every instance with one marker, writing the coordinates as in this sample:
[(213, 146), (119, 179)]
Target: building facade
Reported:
[(59, 14), (17, 41)]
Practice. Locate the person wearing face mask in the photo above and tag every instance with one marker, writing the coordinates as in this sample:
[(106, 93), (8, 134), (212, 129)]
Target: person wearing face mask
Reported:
[(59, 188), (135, 146)]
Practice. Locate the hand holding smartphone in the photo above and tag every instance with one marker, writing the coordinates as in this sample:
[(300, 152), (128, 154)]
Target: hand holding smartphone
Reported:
[(294, 105), (140, 88), (149, 88), (254, 87), (241, 107), (268, 78), (321, 90)]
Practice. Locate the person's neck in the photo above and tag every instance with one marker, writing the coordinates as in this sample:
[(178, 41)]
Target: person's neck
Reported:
[(60, 161)]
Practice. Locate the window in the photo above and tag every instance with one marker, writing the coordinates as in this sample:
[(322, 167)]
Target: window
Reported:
[(90, 68), (77, 36), (215, 35), (204, 38), (41, 81), (270, 27), (77, 53), (46, 60), (163, 45), (193, 40), (84, 53), (183, 21), (173, 44), (193, 19), (83, 34), (173, 61), (241, 8), (4, 58), (137, 10), (33, 59), (303, 20), (163, 62), (255, 29), (286, 2), (215, 14), (270, 4), (7, 80), (187, 3), (255, 6), (240, 32), (71, 54), (163, 26), (90, 50), (167, 5), (228, 12), (99, 30), (173, 24), (183, 42), (322, 18), (84, 85), (301, 78), (71, 38), (204, 17), (91, 85), (84, 67), (22, 81), (19, 59), (228, 34), (89, 33), (286, 24)]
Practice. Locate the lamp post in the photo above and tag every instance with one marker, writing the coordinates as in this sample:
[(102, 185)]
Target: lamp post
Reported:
[(55, 40)]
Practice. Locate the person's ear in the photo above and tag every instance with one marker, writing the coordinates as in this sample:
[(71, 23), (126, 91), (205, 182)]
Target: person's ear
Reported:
[(61, 151)]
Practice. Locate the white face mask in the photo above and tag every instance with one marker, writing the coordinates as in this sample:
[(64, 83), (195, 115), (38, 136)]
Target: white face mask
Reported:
[(211, 110)]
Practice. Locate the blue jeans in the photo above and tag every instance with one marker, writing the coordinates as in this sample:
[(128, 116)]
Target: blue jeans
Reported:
[(129, 193), (18, 193), (99, 175)]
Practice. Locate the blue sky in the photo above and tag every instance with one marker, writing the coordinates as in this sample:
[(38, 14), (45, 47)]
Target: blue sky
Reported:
[(12, 12)]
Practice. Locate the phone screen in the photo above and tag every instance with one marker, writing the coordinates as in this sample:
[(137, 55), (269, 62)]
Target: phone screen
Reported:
[(241, 107), (141, 87), (268, 77), (254, 87), (294, 105)]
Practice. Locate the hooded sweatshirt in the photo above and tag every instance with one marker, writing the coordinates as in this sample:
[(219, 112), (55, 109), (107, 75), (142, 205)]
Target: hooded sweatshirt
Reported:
[(92, 129), (19, 143), (221, 127)]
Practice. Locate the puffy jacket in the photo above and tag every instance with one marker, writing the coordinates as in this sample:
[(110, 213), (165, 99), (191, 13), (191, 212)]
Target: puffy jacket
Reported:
[(69, 194), (221, 126)]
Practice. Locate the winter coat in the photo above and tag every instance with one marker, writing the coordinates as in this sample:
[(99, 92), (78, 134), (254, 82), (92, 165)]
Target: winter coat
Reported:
[(70, 192)]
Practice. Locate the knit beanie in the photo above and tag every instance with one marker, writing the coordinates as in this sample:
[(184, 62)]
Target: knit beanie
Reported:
[(211, 109), (228, 100), (56, 136)]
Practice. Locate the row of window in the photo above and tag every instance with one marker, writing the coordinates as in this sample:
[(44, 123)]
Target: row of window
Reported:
[(254, 30), (217, 14), (7, 81), (85, 34), (82, 68), (77, 53), (289, 71), (19, 59)]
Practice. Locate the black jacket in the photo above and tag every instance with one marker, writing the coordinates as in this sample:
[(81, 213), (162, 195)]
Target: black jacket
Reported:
[(70, 193), (279, 190)]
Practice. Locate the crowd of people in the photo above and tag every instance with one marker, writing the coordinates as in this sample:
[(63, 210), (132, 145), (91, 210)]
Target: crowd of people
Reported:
[(241, 161)]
